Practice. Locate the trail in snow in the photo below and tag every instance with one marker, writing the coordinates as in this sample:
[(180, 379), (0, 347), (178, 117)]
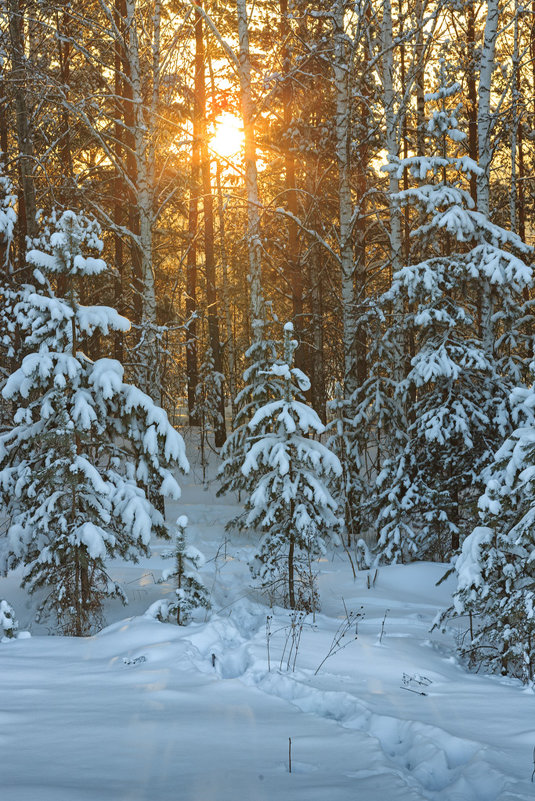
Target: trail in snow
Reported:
[(433, 762)]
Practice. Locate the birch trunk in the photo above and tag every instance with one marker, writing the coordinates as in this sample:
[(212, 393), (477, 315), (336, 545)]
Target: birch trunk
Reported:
[(220, 434), (392, 146), (251, 174), (144, 135), (485, 125), (27, 204), (471, 87), (341, 67), (292, 257)]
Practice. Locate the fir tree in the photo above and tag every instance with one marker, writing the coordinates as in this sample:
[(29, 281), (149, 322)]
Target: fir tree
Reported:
[(83, 446), (190, 590), (290, 503)]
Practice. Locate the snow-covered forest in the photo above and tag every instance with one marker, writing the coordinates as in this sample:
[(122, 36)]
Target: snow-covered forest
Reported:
[(267, 314)]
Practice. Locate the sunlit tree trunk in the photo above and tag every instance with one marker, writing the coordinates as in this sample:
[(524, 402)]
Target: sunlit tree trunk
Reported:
[(251, 174), (471, 87), (392, 146), (341, 67), (484, 130), (144, 142), (208, 208), (292, 255), (27, 224)]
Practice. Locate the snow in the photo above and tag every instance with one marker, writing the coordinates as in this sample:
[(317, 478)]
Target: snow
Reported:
[(148, 710)]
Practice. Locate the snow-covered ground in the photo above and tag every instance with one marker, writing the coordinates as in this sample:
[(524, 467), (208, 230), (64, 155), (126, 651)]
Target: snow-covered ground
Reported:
[(146, 710)]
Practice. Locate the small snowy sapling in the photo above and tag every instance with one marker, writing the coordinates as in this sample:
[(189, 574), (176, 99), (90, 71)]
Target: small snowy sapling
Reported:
[(291, 502), (8, 622), (190, 590), (255, 393), (207, 408)]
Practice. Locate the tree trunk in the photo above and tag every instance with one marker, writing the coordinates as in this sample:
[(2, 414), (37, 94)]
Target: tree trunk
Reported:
[(27, 222), (292, 256), (251, 176), (220, 434), (485, 125), (471, 88), (392, 146), (341, 67)]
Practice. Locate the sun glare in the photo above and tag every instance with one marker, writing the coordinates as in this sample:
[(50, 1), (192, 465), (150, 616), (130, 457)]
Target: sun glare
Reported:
[(228, 137)]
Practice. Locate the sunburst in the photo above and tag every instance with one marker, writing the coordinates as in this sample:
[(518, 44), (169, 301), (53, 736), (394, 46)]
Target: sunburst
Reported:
[(227, 140)]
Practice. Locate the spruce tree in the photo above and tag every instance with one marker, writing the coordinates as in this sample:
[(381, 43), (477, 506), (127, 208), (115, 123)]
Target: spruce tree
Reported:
[(257, 391), (83, 447), (496, 568), (207, 408), (454, 395), (291, 503)]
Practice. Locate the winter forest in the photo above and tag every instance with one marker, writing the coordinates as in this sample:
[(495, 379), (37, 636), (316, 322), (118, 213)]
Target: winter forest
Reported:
[(267, 313)]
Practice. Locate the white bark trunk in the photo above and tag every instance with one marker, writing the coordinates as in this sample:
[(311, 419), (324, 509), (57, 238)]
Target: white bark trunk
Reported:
[(144, 155), (485, 125), (341, 67), (392, 146), (251, 173), (485, 122)]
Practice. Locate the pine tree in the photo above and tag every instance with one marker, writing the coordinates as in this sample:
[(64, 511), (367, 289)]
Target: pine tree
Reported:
[(291, 503), (190, 590), (83, 447), (456, 388)]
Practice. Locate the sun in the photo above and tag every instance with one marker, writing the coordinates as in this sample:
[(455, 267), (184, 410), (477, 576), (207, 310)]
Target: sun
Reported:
[(227, 140)]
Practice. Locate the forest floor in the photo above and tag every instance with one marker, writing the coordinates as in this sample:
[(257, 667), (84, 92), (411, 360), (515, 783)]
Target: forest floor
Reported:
[(146, 711)]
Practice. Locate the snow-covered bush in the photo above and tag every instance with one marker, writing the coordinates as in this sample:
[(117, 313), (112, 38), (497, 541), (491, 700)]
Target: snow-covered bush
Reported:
[(190, 590), (291, 502), (83, 448)]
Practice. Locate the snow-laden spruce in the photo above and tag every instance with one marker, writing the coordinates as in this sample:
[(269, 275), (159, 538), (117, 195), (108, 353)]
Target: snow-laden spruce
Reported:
[(257, 391), (454, 393), (291, 503), (86, 452), (346, 440), (207, 407), (496, 567), (190, 591)]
